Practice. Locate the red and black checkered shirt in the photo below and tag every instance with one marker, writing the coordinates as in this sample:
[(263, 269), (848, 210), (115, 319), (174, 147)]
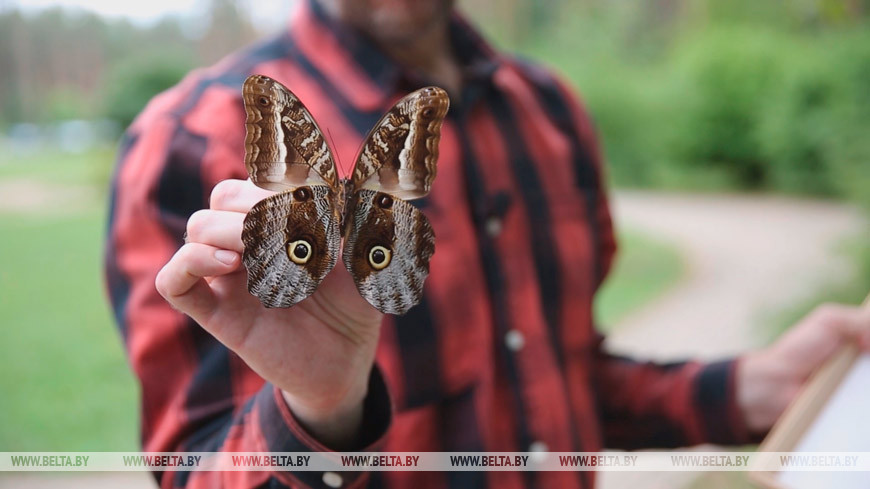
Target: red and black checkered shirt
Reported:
[(501, 355)]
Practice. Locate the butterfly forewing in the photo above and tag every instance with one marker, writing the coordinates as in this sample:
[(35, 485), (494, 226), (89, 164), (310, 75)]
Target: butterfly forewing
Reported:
[(284, 147), (291, 242), (400, 153), (292, 238), (387, 247)]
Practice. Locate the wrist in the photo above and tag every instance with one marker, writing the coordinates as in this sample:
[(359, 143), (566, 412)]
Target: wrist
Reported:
[(764, 389), (334, 423)]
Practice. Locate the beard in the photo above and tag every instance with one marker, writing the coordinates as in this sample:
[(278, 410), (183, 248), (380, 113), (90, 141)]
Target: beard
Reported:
[(391, 21)]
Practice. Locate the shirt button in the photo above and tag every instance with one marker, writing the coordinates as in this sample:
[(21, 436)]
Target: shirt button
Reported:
[(514, 340), (332, 479), (538, 451), (493, 226)]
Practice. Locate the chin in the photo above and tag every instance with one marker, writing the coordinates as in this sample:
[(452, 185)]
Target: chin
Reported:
[(403, 20)]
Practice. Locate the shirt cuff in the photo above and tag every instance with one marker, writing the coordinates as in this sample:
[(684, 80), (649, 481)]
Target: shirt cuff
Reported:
[(715, 396), (282, 432)]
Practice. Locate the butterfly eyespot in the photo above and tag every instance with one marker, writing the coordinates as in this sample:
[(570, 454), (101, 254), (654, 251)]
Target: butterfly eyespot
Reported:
[(299, 251), (384, 201), (379, 257), (302, 194), (263, 101)]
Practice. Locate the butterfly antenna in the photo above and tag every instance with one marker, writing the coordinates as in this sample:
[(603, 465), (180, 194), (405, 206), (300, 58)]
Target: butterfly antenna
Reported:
[(337, 155)]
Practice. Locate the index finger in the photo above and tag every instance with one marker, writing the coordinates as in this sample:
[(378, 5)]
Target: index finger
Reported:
[(182, 280), (236, 195)]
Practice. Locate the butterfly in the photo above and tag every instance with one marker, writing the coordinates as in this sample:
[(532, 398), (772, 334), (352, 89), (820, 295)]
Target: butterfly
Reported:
[(292, 239)]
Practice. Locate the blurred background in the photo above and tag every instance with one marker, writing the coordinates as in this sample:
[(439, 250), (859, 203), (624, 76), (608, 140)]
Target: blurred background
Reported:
[(737, 134)]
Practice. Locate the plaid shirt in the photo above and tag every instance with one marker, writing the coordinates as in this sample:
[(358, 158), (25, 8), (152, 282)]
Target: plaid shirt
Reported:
[(501, 355)]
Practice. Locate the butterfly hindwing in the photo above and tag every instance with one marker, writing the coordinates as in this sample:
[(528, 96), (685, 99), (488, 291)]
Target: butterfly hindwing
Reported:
[(291, 242), (387, 247), (399, 155), (284, 147)]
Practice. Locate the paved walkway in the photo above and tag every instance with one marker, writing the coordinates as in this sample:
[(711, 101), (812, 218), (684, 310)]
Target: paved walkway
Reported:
[(747, 257)]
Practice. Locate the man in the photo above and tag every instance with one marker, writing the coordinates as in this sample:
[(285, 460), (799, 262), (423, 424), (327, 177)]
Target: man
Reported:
[(501, 355)]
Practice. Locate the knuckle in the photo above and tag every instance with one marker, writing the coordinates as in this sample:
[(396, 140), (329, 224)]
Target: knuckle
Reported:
[(225, 191), (161, 282), (185, 254), (179, 263), (197, 222)]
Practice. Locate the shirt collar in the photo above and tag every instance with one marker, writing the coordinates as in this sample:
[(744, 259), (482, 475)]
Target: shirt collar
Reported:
[(478, 60)]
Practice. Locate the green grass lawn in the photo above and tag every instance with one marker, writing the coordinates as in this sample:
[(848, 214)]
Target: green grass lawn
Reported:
[(86, 168), (65, 383), (644, 268), (64, 380)]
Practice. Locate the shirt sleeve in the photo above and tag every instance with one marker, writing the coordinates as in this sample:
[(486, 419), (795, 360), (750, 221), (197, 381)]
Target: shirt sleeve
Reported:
[(196, 395), (650, 405), (644, 404)]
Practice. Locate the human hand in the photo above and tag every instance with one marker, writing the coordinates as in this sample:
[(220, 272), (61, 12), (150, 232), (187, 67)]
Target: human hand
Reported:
[(769, 379), (319, 352)]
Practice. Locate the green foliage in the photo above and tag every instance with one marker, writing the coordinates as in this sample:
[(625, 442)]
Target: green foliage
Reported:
[(758, 94), (64, 103), (728, 73), (619, 106), (769, 109), (743, 94), (850, 149), (774, 110), (58, 64), (815, 128), (132, 83)]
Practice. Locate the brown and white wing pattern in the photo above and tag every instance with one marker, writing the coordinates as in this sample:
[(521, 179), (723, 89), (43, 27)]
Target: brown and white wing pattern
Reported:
[(291, 242), (292, 238), (398, 157), (387, 247), (284, 147)]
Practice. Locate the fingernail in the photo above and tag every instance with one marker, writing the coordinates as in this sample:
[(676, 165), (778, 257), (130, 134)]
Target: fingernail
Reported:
[(226, 257)]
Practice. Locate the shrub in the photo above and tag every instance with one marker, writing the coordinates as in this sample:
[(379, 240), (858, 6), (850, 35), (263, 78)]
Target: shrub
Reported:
[(134, 82), (815, 130), (728, 74), (728, 104), (850, 152), (634, 121)]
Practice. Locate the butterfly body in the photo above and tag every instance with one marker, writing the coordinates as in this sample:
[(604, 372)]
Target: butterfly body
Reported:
[(292, 239)]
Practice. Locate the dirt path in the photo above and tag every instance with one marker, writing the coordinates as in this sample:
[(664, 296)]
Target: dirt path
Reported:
[(747, 257), (26, 197)]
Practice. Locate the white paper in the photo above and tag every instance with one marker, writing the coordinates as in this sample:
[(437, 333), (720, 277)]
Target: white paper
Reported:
[(842, 426)]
